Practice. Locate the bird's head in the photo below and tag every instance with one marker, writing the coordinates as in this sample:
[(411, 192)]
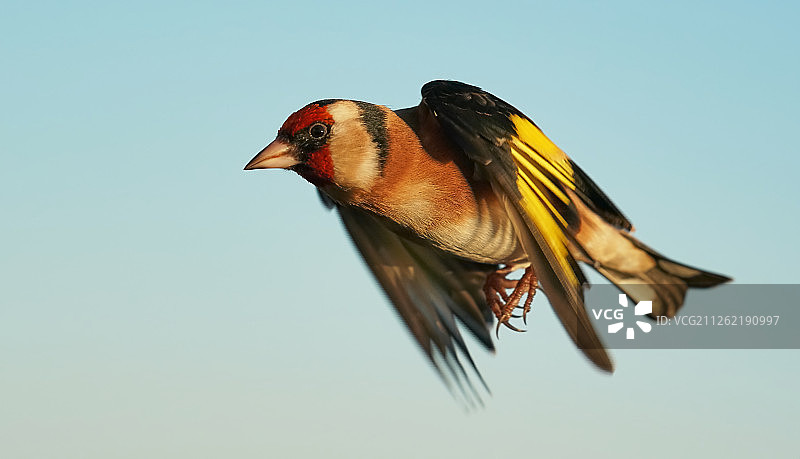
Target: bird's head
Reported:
[(329, 142)]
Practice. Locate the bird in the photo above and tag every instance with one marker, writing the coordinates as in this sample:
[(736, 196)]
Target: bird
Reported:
[(447, 199)]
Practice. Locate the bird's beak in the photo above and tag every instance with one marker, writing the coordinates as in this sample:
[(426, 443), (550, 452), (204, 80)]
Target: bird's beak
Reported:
[(276, 155)]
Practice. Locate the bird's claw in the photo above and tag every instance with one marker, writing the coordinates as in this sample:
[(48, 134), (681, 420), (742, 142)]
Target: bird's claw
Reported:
[(526, 308), (502, 303), (508, 325)]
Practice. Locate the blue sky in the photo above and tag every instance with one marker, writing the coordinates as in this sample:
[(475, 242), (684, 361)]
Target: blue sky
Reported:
[(158, 301)]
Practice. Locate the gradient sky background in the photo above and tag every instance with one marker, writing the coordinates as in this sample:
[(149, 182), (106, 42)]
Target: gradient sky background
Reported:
[(157, 301)]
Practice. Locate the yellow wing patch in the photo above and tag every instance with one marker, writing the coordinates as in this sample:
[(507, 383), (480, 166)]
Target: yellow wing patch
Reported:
[(536, 149), (551, 230), (541, 166)]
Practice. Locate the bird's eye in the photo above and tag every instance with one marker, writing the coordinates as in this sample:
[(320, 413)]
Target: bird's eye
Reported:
[(318, 130)]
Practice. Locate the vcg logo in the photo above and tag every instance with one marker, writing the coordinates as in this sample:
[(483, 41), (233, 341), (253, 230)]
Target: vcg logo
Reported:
[(642, 308)]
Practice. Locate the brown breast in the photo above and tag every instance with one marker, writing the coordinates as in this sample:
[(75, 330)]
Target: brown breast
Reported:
[(427, 186)]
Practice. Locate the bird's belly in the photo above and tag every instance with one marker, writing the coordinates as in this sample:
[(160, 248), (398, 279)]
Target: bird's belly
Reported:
[(482, 233), (465, 219)]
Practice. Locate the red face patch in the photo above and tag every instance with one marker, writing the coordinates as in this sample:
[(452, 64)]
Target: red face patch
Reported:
[(316, 166), (305, 117), (318, 169)]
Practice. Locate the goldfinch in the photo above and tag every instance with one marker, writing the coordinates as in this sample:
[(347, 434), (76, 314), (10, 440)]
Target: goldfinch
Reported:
[(445, 199)]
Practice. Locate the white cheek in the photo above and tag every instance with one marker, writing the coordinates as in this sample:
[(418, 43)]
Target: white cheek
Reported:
[(354, 155)]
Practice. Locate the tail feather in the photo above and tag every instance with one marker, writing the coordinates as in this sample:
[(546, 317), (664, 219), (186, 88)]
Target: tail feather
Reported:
[(638, 270), (665, 282), (692, 276)]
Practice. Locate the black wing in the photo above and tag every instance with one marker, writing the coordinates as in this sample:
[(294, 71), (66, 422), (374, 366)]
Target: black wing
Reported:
[(429, 289), (474, 117), (536, 179)]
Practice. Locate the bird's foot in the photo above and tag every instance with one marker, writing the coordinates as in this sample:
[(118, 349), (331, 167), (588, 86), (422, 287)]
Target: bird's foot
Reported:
[(502, 303)]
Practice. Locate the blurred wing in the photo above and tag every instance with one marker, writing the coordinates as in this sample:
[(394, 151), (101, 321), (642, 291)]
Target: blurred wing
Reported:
[(430, 289), (533, 175)]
